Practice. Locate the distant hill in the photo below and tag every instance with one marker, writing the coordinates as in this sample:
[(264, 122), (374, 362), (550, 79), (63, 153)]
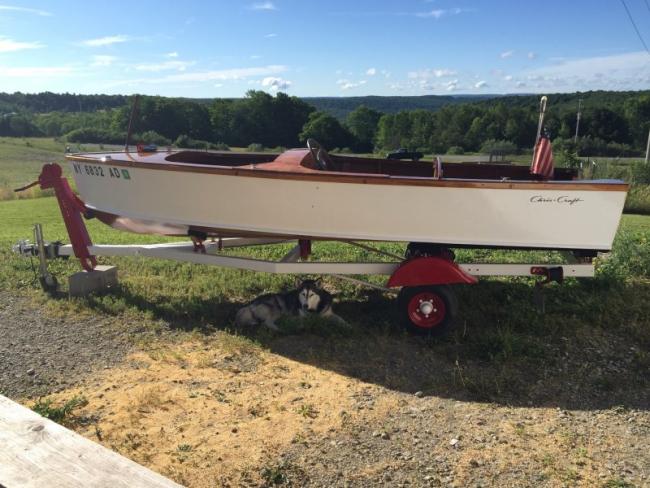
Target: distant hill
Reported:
[(340, 107)]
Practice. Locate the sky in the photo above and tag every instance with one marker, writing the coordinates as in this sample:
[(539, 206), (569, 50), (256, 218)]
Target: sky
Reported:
[(223, 48)]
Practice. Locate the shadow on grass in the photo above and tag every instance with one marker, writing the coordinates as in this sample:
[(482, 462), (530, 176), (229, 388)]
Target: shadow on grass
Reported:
[(590, 350)]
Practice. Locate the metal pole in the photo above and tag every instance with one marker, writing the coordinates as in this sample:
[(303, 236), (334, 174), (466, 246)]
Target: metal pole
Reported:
[(575, 139), (542, 111), (131, 117), (647, 149)]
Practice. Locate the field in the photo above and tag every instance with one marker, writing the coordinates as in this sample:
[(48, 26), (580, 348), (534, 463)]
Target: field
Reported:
[(530, 399)]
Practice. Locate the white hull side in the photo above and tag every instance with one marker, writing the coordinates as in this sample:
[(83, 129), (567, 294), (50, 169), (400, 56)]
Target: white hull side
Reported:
[(453, 215)]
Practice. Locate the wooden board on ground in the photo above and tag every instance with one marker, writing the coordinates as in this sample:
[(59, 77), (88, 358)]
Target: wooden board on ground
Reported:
[(37, 452)]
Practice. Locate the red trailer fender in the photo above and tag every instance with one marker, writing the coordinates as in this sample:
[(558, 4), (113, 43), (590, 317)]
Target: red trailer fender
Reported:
[(429, 271)]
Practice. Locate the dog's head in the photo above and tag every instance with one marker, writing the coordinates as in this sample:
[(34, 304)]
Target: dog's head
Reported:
[(309, 294)]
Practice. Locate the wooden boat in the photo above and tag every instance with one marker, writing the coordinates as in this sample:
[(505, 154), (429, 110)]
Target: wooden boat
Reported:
[(308, 194)]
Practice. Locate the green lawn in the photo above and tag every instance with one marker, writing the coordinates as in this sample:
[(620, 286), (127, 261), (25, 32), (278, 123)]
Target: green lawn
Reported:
[(21, 160), (500, 343)]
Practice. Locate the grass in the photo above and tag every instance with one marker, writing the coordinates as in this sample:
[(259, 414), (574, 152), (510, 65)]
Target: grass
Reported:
[(21, 160), (499, 324), (62, 414)]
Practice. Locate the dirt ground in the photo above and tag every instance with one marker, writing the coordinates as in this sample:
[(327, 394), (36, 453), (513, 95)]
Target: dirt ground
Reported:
[(221, 410)]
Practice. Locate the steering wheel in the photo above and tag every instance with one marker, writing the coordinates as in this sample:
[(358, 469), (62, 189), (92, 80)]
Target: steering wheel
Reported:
[(323, 160)]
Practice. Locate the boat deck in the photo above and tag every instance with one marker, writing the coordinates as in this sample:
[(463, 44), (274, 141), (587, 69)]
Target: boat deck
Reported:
[(301, 161)]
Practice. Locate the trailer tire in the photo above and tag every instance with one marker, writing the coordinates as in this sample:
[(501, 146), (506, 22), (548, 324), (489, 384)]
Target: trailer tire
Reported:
[(427, 310)]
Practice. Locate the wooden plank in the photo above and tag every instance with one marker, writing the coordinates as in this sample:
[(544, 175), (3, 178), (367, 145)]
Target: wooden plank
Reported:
[(36, 453)]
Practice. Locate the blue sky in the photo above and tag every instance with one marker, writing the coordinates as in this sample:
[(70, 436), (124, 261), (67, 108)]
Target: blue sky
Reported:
[(330, 48)]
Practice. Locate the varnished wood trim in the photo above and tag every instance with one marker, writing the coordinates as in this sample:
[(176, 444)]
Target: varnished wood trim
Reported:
[(357, 178)]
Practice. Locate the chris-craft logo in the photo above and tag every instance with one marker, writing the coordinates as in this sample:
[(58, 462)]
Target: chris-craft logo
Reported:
[(563, 199)]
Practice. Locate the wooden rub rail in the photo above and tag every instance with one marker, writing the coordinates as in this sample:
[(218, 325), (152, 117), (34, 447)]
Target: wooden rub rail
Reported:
[(38, 453)]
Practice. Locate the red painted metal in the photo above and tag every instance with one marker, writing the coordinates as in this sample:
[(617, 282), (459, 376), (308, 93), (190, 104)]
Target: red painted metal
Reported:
[(72, 210), (429, 271), (436, 315), (305, 248)]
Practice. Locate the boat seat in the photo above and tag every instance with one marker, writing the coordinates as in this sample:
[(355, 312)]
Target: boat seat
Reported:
[(292, 161)]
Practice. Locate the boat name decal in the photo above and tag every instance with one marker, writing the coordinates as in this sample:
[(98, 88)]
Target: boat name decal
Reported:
[(561, 199), (94, 170)]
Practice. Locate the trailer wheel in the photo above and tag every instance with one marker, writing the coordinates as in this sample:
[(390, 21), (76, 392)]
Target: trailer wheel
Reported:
[(427, 310)]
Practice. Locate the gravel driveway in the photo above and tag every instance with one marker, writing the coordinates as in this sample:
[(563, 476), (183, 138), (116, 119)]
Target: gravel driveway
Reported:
[(41, 353)]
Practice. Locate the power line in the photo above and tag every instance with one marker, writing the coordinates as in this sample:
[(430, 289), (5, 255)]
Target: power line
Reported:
[(635, 27), (647, 4)]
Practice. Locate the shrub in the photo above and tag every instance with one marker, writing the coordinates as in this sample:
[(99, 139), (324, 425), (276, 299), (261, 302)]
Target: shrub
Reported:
[(640, 172), (220, 146), (152, 137), (455, 150), (568, 159), (638, 200), (498, 146), (255, 147), (186, 142), (90, 134)]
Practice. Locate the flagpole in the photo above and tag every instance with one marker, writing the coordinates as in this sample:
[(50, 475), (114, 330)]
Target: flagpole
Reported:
[(542, 112)]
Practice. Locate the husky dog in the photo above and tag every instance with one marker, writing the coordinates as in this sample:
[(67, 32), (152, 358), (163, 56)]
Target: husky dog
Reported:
[(308, 298)]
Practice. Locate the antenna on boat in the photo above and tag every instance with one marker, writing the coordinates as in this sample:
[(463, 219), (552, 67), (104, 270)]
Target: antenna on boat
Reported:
[(134, 108)]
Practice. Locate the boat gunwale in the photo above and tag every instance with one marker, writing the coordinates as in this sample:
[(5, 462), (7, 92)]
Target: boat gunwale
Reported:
[(355, 178)]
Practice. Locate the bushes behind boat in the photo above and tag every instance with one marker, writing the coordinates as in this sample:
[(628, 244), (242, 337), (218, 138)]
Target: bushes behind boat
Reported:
[(186, 142)]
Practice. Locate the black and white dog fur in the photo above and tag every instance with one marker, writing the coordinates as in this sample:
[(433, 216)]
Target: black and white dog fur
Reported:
[(308, 298)]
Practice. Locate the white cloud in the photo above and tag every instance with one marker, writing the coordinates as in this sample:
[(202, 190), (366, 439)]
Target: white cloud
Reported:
[(508, 77), (103, 60), (531, 55), (263, 6), (26, 10), (275, 83), (452, 85), (173, 54), (255, 56), (9, 45), (269, 36), (520, 84), (438, 13), (205, 76), (619, 71), (385, 73), (106, 41), (431, 73), (506, 54), (345, 84), (165, 66), (371, 71), (27, 72), (481, 84), (218, 85)]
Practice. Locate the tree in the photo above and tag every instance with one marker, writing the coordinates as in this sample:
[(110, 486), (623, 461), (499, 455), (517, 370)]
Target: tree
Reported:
[(362, 123), (327, 130)]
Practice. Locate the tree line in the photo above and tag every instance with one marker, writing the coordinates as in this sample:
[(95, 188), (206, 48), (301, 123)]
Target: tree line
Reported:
[(612, 123)]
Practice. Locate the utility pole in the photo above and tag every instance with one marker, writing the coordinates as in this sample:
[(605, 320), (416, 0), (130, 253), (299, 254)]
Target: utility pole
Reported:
[(647, 150), (575, 139)]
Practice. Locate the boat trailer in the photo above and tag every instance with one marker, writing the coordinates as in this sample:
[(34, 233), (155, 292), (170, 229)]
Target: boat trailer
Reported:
[(426, 302)]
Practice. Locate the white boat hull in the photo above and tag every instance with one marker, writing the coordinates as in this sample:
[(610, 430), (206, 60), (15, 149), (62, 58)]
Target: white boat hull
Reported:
[(487, 216)]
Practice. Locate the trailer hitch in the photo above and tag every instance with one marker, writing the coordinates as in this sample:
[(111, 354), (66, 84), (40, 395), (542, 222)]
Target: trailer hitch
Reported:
[(72, 209)]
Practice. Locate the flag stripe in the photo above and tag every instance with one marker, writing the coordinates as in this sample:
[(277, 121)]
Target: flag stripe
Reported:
[(543, 159)]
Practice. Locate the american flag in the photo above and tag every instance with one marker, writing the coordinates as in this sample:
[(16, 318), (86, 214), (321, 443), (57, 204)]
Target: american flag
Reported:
[(543, 158)]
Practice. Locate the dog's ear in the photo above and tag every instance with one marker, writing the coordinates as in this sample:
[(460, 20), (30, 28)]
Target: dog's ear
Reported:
[(297, 282), (318, 281)]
